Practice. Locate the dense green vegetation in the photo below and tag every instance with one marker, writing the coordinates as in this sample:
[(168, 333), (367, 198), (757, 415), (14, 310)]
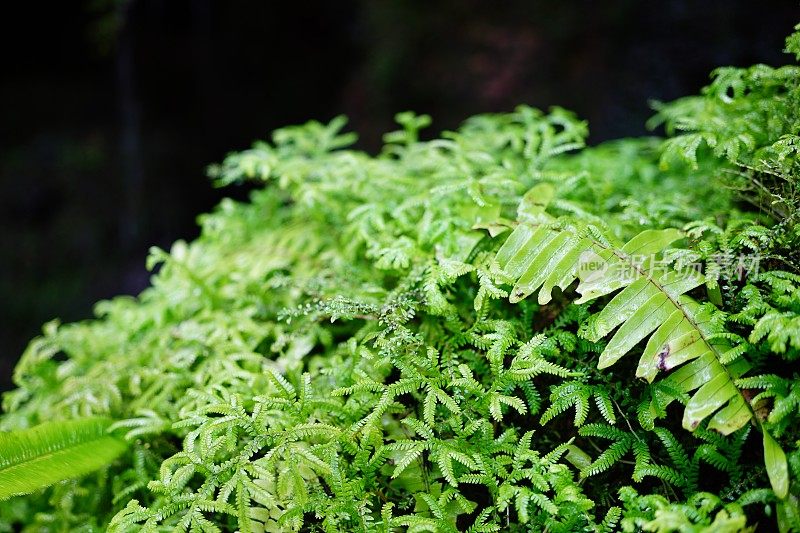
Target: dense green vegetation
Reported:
[(497, 330)]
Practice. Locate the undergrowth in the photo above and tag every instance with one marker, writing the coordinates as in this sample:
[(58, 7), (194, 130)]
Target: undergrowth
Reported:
[(501, 329)]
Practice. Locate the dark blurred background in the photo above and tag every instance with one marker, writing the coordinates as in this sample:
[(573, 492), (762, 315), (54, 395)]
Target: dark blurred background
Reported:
[(110, 110)]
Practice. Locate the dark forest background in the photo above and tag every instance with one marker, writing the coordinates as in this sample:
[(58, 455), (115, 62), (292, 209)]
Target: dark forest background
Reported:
[(110, 110)]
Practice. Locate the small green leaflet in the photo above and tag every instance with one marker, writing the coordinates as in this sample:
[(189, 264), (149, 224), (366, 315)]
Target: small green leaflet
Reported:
[(777, 468)]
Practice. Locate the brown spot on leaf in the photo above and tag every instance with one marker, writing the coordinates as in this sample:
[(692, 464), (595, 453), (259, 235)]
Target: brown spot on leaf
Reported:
[(662, 358)]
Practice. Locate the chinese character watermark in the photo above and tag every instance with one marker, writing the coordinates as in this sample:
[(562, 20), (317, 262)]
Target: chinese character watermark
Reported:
[(593, 267)]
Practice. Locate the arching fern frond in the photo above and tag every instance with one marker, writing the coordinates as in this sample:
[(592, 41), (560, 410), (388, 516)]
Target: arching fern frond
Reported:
[(578, 395), (544, 252)]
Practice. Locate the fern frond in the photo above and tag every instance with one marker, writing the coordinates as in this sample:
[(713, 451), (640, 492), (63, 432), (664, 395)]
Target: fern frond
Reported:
[(31, 459), (544, 252)]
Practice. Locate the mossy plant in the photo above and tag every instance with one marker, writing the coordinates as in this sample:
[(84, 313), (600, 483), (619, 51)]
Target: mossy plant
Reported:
[(500, 329)]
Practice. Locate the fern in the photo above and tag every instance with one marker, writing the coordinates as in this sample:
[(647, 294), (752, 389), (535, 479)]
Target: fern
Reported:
[(356, 348), (55, 451), (542, 253), (578, 395)]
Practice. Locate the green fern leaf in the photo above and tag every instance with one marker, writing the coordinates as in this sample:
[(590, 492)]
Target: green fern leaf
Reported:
[(777, 467), (544, 252), (35, 458)]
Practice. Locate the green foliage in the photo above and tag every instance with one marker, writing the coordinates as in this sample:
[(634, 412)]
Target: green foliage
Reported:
[(31, 459), (542, 253), (355, 348), (750, 120)]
